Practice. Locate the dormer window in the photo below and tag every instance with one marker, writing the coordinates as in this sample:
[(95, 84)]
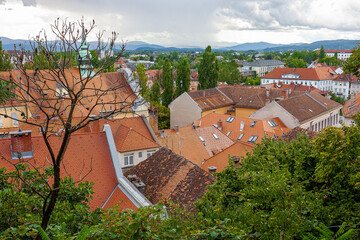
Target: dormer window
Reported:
[(15, 119)]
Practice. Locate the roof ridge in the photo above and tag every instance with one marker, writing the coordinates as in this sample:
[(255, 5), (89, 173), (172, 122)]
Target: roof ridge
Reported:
[(316, 100), (224, 94)]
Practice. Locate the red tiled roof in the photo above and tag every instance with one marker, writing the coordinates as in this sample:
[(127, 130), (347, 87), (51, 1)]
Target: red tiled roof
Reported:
[(86, 153), (317, 74), (221, 160), (168, 176), (118, 197), (338, 51), (293, 134), (352, 106), (210, 99), (308, 105), (259, 129), (185, 143)]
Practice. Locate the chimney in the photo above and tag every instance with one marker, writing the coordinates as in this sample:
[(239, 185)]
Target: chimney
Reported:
[(212, 169), (21, 145), (220, 125), (135, 180), (176, 128), (284, 94), (236, 160)]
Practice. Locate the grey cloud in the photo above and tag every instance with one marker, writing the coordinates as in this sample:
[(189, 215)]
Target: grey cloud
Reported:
[(28, 3)]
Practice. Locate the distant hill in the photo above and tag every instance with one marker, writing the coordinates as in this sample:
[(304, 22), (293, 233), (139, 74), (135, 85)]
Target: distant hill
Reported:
[(8, 44), (328, 44), (252, 46)]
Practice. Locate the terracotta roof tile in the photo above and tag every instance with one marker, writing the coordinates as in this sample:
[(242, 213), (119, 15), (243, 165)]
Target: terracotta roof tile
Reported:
[(221, 160), (293, 134), (352, 106), (168, 176), (86, 153), (214, 140), (317, 74)]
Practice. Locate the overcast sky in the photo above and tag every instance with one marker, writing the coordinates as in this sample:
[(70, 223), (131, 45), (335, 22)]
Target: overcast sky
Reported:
[(192, 22)]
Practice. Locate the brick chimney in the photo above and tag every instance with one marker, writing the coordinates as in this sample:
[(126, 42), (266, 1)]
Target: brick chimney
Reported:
[(21, 144), (176, 128), (220, 125), (284, 94), (212, 169)]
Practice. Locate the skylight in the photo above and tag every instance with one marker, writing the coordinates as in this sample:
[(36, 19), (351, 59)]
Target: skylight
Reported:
[(240, 137), (272, 123), (228, 133), (215, 136), (201, 138), (252, 138), (230, 119)]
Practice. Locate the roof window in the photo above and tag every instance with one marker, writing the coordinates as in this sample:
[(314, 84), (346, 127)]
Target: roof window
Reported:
[(240, 137), (201, 138), (230, 119), (252, 138), (228, 133), (215, 136), (272, 123)]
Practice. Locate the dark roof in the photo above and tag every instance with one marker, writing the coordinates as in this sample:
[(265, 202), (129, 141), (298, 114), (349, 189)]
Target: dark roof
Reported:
[(210, 98), (261, 63), (168, 176), (293, 134), (308, 105)]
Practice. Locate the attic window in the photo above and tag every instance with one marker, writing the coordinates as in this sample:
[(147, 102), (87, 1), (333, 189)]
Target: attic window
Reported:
[(252, 138), (240, 137), (1, 123), (240, 98), (272, 123), (201, 138), (310, 110), (253, 123), (205, 103), (228, 133), (250, 101), (215, 136), (15, 119), (230, 119)]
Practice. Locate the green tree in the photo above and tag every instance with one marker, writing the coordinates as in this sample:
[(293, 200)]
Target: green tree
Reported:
[(182, 77), (5, 62), (290, 186), (142, 78), (208, 70), (168, 83), (295, 63), (155, 94), (352, 65), (322, 54)]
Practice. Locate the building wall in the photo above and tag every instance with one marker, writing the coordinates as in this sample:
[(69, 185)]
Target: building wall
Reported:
[(341, 55), (262, 70), (183, 111), (341, 88), (329, 118), (347, 121), (8, 122), (273, 110), (324, 85), (222, 110), (354, 88), (244, 112), (137, 159)]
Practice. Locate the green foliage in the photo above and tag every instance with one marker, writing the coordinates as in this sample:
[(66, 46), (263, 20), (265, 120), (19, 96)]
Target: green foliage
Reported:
[(168, 83), (229, 73), (295, 63), (5, 91), (322, 54), (182, 77), (253, 81), (336, 98), (150, 223), (95, 61), (290, 186), (326, 234), (352, 65), (5, 62), (21, 205), (155, 94), (163, 116), (141, 75), (208, 70)]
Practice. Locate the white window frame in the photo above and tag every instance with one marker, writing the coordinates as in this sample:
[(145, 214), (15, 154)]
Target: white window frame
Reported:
[(150, 153), (129, 159), (140, 154)]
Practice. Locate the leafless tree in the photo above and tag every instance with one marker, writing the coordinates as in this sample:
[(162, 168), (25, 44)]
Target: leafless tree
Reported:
[(60, 100)]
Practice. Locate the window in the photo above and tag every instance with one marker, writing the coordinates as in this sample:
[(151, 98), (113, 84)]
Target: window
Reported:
[(129, 159), (230, 119), (140, 155), (240, 137), (149, 153), (15, 119), (252, 138), (1, 123), (253, 123), (202, 139), (228, 133), (215, 136), (272, 123)]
